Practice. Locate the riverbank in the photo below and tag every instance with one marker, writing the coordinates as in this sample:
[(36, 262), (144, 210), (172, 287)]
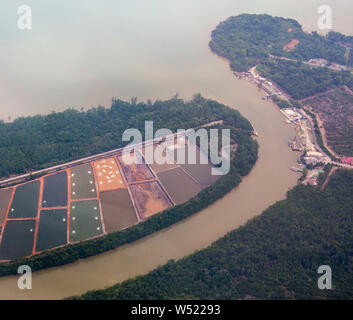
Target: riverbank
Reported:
[(274, 256), (224, 215), (267, 183)]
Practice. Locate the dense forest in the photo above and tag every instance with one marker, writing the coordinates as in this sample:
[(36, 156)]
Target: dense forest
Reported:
[(170, 114), (41, 141), (249, 39), (274, 256)]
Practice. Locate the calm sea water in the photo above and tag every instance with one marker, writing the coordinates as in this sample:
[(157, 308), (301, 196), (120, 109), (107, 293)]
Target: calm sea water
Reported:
[(82, 53)]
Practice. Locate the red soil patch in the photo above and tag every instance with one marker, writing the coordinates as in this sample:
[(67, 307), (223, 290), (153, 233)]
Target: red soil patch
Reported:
[(137, 170), (291, 45), (108, 175)]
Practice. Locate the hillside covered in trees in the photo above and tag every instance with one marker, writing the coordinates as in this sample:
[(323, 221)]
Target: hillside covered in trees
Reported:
[(274, 256), (248, 39), (279, 47), (41, 141)]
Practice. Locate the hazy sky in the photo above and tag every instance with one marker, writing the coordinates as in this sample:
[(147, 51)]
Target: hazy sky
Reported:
[(82, 53)]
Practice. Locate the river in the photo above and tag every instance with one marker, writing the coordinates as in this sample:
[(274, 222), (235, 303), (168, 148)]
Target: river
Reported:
[(84, 53)]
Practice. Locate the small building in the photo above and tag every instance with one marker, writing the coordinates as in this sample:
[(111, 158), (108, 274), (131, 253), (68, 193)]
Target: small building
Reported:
[(338, 67), (311, 182), (348, 160)]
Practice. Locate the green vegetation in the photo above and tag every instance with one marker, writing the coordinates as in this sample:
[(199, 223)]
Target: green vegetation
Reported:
[(171, 114), (41, 141), (301, 80), (250, 40), (274, 256), (345, 41)]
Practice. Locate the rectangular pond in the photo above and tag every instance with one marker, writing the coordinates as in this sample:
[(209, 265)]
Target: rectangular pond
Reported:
[(149, 198), (82, 183), (117, 210), (85, 220), (194, 162), (179, 185), (160, 161), (17, 239), (5, 197), (55, 190), (108, 175)]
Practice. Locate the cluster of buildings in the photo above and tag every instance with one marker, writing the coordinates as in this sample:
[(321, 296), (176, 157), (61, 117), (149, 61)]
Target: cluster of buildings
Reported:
[(314, 157), (305, 140), (293, 115)]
